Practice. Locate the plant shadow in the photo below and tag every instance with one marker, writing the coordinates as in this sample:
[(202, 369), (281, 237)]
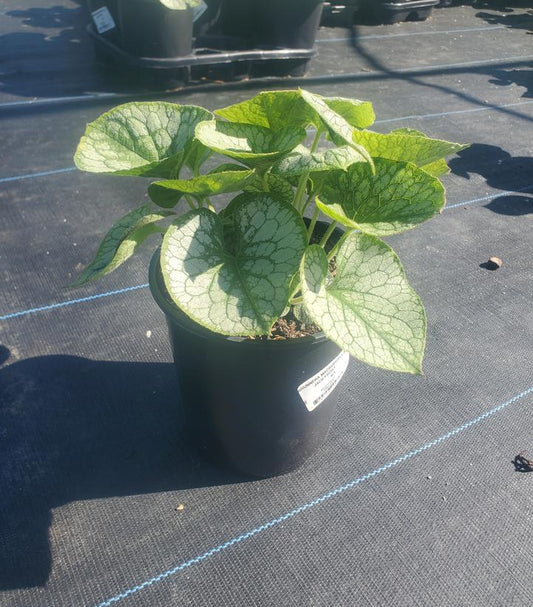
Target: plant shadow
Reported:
[(77, 429), (501, 171)]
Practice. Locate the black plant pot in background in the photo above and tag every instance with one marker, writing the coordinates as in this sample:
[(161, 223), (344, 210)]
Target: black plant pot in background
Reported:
[(149, 29), (146, 28), (241, 396), (287, 23), (268, 24)]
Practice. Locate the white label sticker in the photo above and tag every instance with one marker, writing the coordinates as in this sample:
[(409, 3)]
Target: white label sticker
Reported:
[(103, 20), (199, 10), (317, 388)]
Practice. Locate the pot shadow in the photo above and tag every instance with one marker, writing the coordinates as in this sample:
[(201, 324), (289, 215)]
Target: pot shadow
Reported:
[(77, 429), (501, 171)]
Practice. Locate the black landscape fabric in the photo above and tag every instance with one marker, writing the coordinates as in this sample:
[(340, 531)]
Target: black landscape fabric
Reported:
[(417, 496)]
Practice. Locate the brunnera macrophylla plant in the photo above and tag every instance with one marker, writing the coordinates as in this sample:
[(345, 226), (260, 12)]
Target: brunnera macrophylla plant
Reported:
[(280, 156)]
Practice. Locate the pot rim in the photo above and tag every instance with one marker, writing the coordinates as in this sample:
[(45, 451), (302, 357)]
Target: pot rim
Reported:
[(160, 294)]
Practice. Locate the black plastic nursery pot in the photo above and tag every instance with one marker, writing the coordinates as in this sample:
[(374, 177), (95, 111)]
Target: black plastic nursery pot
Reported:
[(261, 407), (144, 28)]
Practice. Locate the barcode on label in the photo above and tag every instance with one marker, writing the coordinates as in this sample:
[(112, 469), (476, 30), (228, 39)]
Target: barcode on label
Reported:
[(103, 20), (317, 388)]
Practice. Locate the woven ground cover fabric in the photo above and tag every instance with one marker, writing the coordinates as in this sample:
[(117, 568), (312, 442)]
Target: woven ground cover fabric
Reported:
[(413, 499)]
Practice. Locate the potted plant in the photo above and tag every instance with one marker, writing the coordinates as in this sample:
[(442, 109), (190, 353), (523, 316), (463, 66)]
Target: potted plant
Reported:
[(266, 294), (146, 28)]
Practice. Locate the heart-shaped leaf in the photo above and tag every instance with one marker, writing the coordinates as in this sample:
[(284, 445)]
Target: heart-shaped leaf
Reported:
[(150, 139), (253, 145), (406, 145), (368, 308), (231, 274), (359, 114), (398, 197), (121, 242), (198, 187), (301, 160)]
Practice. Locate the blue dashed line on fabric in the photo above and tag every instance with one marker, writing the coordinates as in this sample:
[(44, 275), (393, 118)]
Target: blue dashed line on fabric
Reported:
[(71, 302), (489, 197), (443, 114), (288, 515), (41, 174)]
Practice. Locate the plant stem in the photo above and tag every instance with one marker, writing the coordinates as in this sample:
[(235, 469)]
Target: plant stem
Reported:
[(306, 203), (328, 233), (296, 300), (298, 198), (312, 225)]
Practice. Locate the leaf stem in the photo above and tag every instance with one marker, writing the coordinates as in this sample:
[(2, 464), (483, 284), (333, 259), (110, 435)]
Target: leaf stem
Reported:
[(328, 233), (333, 251), (300, 192), (314, 145), (296, 300)]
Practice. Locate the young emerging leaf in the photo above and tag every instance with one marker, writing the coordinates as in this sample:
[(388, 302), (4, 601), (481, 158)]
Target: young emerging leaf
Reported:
[(274, 110), (231, 274), (397, 198), (199, 187), (121, 242), (149, 139), (368, 308), (338, 128), (252, 145), (405, 146)]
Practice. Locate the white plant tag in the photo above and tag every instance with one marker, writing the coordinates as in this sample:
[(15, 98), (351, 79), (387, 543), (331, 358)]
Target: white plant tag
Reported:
[(103, 21), (199, 10), (317, 388)]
